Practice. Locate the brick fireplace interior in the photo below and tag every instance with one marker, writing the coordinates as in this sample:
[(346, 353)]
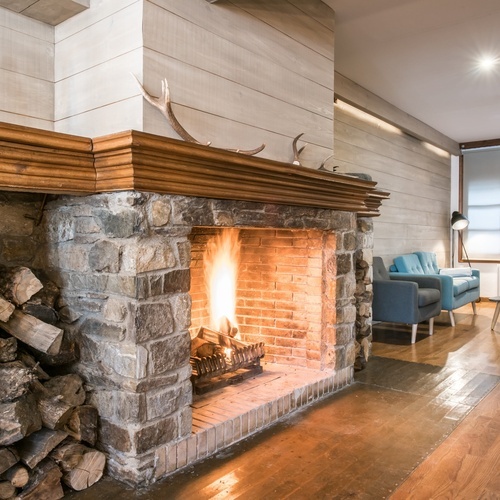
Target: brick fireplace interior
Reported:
[(279, 291)]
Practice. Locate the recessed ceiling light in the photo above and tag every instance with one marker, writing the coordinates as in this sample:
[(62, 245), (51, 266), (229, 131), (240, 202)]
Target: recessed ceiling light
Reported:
[(487, 62)]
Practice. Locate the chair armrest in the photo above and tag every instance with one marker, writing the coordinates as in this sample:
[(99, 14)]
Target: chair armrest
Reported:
[(423, 280), (396, 291)]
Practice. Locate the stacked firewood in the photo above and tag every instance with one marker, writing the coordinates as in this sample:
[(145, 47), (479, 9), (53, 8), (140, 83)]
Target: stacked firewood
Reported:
[(47, 432)]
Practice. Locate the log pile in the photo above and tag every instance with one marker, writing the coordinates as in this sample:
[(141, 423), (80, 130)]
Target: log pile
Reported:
[(47, 432)]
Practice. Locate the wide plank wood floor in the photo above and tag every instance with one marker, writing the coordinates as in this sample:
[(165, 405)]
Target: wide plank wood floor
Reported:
[(421, 421)]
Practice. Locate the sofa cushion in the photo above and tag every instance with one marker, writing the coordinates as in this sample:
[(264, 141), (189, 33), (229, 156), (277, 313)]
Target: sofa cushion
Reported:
[(460, 285), (428, 296), (408, 263), (428, 261)]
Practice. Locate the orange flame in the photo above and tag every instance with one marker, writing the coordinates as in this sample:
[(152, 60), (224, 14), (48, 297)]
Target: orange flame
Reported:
[(221, 261)]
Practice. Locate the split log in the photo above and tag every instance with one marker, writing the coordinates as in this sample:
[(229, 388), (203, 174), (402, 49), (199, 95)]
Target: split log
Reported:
[(82, 424), (18, 419), (67, 388), (32, 331), (48, 295), (19, 284), (15, 380), (33, 449), (67, 354), (8, 349), (8, 458), (6, 309), (42, 312), (44, 484), (32, 364), (81, 466), (17, 475), (54, 412), (7, 490)]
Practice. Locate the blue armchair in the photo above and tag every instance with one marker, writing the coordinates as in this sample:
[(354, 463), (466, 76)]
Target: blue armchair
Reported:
[(459, 286), (397, 299)]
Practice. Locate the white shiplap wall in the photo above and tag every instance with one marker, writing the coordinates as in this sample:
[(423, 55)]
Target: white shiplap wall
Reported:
[(96, 54), (240, 73), (244, 73), (416, 217), (26, 71)]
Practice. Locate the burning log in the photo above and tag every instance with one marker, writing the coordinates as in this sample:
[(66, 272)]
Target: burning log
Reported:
[(225, 365)]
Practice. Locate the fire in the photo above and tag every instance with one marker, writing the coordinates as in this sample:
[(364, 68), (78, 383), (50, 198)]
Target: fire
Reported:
[(221, 262)]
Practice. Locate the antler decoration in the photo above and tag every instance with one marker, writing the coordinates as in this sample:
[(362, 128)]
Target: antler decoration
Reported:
[(296, 154), (164, 104), (322, 166)]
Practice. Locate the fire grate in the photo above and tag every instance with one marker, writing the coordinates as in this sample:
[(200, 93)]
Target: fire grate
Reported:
[(218, 360)]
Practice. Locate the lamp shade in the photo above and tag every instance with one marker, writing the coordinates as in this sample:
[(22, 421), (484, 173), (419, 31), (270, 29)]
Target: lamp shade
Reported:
[(458, 221)]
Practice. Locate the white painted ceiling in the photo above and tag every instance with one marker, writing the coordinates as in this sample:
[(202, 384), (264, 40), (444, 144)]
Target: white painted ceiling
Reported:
[(422, 56)]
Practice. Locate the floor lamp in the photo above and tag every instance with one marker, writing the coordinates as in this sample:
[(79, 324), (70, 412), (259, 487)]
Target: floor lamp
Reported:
[(458, 223)]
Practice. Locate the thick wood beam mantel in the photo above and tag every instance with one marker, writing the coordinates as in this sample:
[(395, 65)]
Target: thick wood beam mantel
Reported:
[(33, 160)]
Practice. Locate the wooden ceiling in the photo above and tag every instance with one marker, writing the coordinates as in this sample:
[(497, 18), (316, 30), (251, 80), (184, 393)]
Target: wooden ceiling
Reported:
[(50, 12)]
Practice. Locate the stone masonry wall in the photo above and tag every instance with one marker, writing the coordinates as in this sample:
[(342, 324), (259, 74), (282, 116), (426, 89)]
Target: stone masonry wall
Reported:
[(122, 263), (364, 291)]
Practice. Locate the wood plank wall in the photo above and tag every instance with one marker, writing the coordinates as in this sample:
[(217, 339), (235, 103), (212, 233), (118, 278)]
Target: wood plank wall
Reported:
[(26, 71), (240, 73), (244, 73), (96, 53), (416, 217)]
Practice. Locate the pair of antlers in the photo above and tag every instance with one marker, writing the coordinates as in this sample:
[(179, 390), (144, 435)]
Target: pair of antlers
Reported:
[(296, 154), (164, 104)]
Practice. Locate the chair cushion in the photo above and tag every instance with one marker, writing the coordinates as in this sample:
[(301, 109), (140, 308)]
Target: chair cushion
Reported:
[(428, 296), (408, 263)]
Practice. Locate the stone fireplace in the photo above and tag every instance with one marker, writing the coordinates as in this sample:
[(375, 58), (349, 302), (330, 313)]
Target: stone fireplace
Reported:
[(122, 240)]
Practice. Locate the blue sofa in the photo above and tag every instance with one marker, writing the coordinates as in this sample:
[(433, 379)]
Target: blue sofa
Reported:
[(459, 286)]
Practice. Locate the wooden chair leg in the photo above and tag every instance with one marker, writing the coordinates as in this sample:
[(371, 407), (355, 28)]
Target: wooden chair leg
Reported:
[(431, 326), (474, 307), (414, 333), (452, 318), (495, 315)]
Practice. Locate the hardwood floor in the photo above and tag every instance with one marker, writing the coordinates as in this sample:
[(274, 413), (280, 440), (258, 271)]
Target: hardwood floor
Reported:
[(421, 421)]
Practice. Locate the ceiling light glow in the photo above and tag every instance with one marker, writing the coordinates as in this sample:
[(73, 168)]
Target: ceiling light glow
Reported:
[(487, 62)]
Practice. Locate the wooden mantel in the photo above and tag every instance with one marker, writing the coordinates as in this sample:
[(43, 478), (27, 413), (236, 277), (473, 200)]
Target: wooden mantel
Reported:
[(34, 160)]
